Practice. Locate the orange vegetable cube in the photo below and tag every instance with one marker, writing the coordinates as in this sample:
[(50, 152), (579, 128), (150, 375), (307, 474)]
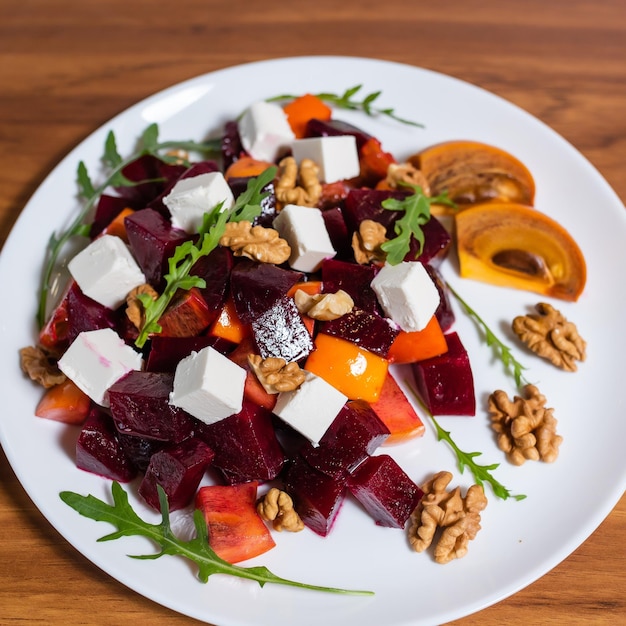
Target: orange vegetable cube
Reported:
[(228, 325), (303, 109), (357, 373), (64, 402), (117, 226), (246, 167), (410, 347)]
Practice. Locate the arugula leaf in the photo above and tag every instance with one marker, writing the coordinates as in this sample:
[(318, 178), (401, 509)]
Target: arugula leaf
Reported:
[(247, 206), (90, 194), (346, 101), (482, 473), (416, 208), (501, 350), (127, 523)]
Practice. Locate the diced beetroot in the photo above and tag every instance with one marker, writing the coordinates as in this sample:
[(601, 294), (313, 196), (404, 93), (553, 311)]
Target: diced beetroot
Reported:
[(445, 383), (256, 286), (152, 241), (54, 336), (179, 470), (333, 128), (231, 148), (139, 450), (84, 314), (215, 269), (140, 406), (148, 168), (444, 312), (166, 352), (108, 208), (187, 315), (385, 491), (367, 330), (280, 332), (353, 279), (338, 232), (98, 450), (317, 497), (353, 435), (334, 195), (245, 445), (268, 204)]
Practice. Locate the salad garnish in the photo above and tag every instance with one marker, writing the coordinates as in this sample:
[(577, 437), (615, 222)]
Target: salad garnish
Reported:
[(89, 194), (246, 207), (416, 208), (345, 101), (121, 515)]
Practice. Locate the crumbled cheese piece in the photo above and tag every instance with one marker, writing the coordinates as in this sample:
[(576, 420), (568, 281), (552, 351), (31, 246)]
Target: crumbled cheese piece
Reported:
[(106, 271), (311, 408), (264, 131), (305, 231), (96, 359), (208, 386), (190, 198), (337, 157), (406, 294)]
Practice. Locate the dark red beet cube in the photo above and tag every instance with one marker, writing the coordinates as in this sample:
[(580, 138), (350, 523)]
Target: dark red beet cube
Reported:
[(152, 240), (98, 450), (245, 445), (280, 332), (166, 352), (366, 330), (84, 314), (444, 312), (353, 279), (353, 435), (139, 450), (256, 286), (340, 236), (140, 406), (215, 270), (445, 383), (268, 204), (317, 497), (107, 209), (334, 128), (385, 491), (179, 470)]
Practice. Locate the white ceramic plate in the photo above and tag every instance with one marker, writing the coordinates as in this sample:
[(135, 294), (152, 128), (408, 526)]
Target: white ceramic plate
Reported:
[(519, 541)]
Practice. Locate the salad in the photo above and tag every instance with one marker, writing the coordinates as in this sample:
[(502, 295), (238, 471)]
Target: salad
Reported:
[(208, 293)]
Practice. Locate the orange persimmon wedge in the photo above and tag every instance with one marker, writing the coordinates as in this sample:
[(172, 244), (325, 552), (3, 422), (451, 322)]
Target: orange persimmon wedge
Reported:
[(397, 413), (357, 373), (228, 325), (409, 347), (246, 167), (117, 227), (64, 402), (236, 531), (517, 246), (300, 110)]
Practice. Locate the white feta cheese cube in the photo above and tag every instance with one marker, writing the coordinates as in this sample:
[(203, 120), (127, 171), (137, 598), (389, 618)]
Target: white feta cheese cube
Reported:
[(406, 294), (208, 386), (264, 131), (190, 198), (311, 408), (305, 231), (106, 271), (336, 157), (96, 359)]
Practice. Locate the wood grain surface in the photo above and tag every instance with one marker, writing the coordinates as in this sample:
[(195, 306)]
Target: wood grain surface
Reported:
[(67, 66)]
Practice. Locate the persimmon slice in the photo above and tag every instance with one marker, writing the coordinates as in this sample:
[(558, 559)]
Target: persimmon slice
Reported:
[(518, 246)]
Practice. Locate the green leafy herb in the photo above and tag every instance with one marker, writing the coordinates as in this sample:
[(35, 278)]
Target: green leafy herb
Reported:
[(90, 193), (127, 523), (482, 473), (416, 208), (503, 352), (246, 207), (346, 101)]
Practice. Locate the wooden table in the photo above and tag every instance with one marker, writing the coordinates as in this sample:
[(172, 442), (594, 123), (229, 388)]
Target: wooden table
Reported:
[(68, 66)]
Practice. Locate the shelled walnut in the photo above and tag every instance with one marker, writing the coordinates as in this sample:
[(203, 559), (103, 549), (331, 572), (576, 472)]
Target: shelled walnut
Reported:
[(287, 189), (367, 241), (526, 428), (40, 367), (324, 306), (277, 507), (457, 516), (275, 374), (550, 335), (398, 173), (255, 242), (134, 308)]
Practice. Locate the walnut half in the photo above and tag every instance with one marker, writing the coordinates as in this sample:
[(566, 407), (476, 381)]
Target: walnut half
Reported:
[(40, 367), (255, 242), (277, 507)]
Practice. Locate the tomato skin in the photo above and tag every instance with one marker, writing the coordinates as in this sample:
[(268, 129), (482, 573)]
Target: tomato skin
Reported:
[(64, 402)]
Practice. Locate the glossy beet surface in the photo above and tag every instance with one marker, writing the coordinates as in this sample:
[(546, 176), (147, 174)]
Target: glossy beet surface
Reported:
[(445, 383), (85, 314), (353, 279), (215, 270), (385, 491), (166, 352)]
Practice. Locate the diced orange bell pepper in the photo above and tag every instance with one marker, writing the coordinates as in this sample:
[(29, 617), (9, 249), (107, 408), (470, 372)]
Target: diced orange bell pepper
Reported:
[(228, 325), (187, 316), (356, 372), (64, 402), (303, 109), (236, 531), (246, 167), (410, 347), (117, 226), (397, 413)]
